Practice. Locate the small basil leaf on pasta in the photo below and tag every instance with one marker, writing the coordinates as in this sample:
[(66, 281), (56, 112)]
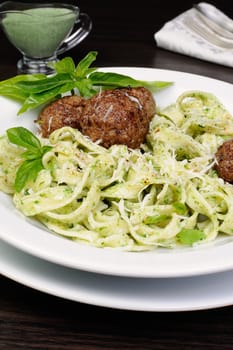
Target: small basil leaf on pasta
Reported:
[(32, 164), (190, 236), (156, 219), (28, 171), (20, 136)]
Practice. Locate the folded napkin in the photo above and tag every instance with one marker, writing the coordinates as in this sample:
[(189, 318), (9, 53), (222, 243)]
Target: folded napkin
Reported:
[(176, 36)]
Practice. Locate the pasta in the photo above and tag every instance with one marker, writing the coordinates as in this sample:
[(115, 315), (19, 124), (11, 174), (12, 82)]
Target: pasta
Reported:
[(165, 194)]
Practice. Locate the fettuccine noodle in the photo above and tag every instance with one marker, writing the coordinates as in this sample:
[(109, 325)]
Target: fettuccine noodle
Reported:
[(133, 199)]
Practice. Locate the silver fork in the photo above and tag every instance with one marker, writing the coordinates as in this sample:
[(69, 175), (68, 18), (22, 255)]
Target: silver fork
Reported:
[(214, 26), (204, 31), (215, 15)]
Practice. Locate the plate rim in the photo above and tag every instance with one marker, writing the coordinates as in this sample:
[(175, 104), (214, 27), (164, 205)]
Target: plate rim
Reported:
[(113, 269), (77, 286)]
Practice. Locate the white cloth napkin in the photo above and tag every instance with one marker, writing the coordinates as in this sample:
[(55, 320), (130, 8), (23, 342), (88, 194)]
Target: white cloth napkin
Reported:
[(175, 36)]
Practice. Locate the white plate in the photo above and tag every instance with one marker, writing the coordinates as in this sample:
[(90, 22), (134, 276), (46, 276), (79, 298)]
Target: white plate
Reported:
[(32, 238), (141, 294)]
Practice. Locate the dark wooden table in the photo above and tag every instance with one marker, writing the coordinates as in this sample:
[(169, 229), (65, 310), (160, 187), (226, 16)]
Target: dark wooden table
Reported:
[(123, 36)]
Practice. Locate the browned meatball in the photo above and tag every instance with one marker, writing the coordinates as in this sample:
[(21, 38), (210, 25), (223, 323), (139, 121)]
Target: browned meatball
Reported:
[(65, 111), (119, 116), (146, 99), (224, 158)]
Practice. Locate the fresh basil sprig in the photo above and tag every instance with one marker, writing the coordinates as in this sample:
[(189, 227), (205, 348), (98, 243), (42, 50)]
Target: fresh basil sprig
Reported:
[(33, 154), (37, 89)]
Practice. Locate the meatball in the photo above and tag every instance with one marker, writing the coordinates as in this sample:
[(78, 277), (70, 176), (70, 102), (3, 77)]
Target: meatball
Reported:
[(224, 161), (146, 100), (119, 116), (65, 111)]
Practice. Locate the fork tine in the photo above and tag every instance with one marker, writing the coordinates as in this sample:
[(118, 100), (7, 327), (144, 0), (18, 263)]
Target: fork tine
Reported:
[(212, 25), (206, 33)]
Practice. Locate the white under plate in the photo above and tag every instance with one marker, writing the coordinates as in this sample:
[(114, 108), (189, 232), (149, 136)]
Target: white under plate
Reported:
[(141, 294), (31, 238)]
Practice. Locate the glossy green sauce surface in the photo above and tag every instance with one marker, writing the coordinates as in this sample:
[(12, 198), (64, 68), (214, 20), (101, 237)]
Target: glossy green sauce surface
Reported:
[(39, 32)]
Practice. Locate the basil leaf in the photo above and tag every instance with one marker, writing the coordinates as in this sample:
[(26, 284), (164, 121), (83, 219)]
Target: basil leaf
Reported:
[(155, 85), (190, 236), (20, 136), (113, 79), (120, 80), (45, 149), (44, 84), (156, 219), (14, 92), (28, 171), (9, 87), (36, 100), (36, 152), (32, 154), (85, 88), (82, 69), (180, 208), (22, 77), (66, 65)]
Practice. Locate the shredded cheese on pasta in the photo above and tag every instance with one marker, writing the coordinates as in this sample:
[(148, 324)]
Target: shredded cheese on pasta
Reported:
[(133, 199)]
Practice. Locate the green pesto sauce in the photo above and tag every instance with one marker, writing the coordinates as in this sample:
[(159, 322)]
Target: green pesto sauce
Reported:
[(39, 32)]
